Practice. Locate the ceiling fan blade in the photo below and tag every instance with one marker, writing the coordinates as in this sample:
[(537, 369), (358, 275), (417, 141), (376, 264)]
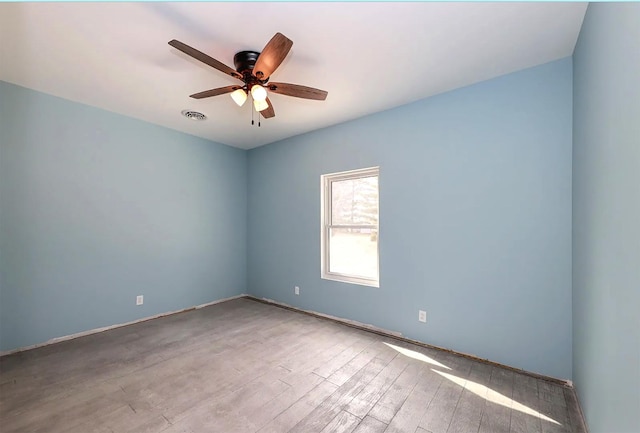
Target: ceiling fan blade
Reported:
[(215, 92), (204, 58), (268, 112), (272, 55), (298, 91)]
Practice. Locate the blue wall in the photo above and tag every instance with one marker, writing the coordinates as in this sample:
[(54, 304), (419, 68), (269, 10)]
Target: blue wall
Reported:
[(96, 208), (475, 219), (606, 218)]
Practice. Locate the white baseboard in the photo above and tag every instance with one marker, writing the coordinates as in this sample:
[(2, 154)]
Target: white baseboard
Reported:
[(119, 325)]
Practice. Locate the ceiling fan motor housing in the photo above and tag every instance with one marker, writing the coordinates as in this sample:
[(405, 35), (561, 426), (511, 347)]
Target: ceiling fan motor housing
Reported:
[(244, 61)]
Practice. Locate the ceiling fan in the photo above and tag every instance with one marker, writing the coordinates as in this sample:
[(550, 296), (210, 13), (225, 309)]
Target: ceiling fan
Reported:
[(254, 70)]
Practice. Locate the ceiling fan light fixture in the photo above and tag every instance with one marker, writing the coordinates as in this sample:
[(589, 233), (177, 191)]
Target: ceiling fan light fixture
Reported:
[(258, 93), (260, 104), (239, 96)]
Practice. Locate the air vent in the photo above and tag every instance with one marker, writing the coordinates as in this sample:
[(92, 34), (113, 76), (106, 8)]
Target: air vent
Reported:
[(193, 115)]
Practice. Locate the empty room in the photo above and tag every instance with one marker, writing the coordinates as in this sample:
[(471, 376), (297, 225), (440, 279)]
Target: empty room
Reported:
[(361, 217)]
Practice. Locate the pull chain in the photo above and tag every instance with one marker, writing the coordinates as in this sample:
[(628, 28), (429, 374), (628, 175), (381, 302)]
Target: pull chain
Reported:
[(259, 114)]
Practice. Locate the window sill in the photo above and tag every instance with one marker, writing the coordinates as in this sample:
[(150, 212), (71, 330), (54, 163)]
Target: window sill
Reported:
[(351, 280)]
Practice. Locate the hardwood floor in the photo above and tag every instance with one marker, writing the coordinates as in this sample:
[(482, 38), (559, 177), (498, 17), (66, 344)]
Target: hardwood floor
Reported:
[(244, 366)]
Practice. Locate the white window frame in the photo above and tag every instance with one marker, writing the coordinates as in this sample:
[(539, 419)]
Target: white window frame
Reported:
[(327, 225)]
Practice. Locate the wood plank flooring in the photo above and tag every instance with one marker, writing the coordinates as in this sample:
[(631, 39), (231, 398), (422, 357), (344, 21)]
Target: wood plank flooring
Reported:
[(244, 366)]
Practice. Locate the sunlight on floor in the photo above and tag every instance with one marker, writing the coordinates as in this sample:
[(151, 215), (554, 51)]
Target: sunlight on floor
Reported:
[(417, 355), (493, 396)]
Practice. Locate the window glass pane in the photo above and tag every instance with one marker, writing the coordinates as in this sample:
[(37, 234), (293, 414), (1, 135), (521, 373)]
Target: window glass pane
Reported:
[(355, 201), (354, 252)]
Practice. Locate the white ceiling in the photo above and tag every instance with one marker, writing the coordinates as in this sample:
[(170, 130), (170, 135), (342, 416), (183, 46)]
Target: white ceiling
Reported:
[(369, 56)]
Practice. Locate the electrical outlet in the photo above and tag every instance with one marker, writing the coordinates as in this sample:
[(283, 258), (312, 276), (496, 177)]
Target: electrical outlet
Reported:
[(139, 300), (422, 315), (296, 290)]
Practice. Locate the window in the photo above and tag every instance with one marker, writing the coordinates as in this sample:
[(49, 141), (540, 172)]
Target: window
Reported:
[(350, 226)]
